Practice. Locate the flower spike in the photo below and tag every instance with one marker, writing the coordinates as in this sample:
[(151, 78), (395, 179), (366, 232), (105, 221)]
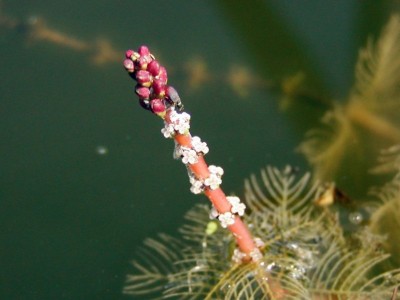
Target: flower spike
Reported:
[(163, 100)]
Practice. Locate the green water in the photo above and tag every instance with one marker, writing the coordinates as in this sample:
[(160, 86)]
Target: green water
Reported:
[(86, 174)]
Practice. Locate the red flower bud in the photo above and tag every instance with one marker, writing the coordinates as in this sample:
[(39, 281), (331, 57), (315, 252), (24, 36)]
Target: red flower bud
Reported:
[(129, 53), (153, 67), (162, 75), (145, 57), (142, 92), (142, 63), (132, 55), (144, 78), (129, 66), (158, 107), (159, 87), (143, 51)]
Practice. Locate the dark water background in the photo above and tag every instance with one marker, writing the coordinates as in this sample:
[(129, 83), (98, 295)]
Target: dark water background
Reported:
[(71, 216)]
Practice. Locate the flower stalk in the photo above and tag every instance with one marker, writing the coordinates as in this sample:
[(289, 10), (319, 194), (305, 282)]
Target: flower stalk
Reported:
[(163, 100)]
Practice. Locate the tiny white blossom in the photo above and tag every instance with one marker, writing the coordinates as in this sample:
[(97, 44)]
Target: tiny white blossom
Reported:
[(195, 189), (226, 219), (182, 123), (233, 200), (173, 115), (213, 181), (185, 116), (237, 206), (213, 213), (189, 156), (168, 130), (216, 170), (256, 254), (259, 242), (238, 256), (197, 185), (199, 146), (192, 178), (182, 128)]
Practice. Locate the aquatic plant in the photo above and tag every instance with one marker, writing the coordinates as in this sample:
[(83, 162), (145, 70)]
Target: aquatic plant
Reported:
[(364, 124), (387, 215), (163, 100), (299, 250)]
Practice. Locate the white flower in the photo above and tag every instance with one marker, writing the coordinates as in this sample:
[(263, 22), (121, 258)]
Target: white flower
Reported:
[(173, 115), (213, 213), (168, 130), (259, 242), (196, 189), (226, 219), (199, 146), (237, 206), (233, 200), (238, 256), (216, 170), (182, 128), (181, 122), (213, 181), (185, 117), (189, 156), (256, 254), (197, 186)]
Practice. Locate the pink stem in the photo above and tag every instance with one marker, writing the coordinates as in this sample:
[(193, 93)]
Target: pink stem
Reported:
[(155, 95), (218, 198)]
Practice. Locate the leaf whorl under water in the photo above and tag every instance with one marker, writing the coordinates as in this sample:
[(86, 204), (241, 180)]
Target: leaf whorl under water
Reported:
[(305, 253), (354, 131)]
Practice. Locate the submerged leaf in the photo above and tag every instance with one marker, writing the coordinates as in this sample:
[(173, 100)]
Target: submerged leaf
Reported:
[(387, 217), (326, 147), (353, 133), (378, 71), (389, 161), (305, 255)]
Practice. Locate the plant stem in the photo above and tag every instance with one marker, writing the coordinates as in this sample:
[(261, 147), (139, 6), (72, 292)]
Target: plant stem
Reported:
[(218, 198), (155, 95)]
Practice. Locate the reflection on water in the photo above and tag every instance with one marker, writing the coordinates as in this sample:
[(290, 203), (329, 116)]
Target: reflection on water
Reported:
[(37, 30), (101, 150), (102, 51)]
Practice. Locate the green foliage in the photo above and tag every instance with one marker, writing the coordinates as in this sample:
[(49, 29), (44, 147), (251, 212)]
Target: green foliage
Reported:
[(386, 219), (306, 255), (353, 133)]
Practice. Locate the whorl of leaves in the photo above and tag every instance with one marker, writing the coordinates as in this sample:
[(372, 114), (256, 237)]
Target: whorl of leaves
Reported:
[(305, 253)]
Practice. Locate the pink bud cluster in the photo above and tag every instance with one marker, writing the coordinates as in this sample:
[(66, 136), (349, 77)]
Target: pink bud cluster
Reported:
[(152, 89)]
